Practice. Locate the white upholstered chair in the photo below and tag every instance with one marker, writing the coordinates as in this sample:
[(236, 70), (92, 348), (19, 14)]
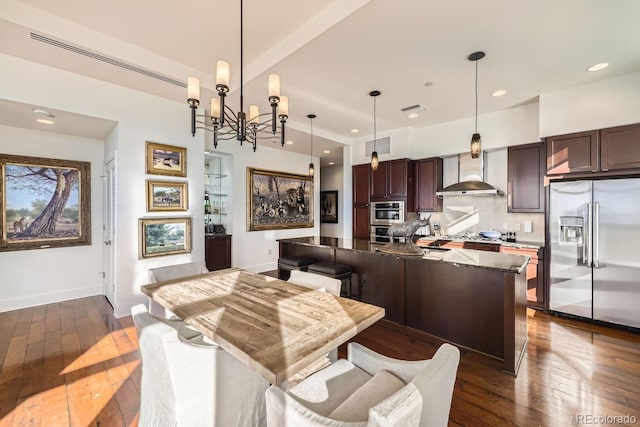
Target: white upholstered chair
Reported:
[(325, 284), (170, 272), (370, 389), (193, 382), (316, 281)]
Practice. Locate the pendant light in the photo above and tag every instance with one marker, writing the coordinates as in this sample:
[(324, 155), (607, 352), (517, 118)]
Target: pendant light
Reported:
[(476, 146), (312, 169), (374, 153)]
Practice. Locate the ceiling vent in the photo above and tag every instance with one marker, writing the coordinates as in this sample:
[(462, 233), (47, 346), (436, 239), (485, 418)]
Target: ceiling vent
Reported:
[(383, 146), (413, 109), (105, 59)]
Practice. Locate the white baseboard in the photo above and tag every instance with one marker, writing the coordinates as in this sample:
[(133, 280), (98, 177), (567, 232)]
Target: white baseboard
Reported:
[(259, 268), (48, 298)]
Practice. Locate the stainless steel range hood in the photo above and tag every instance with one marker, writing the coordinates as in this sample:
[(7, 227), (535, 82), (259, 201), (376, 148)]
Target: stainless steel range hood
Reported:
[(470, 179)]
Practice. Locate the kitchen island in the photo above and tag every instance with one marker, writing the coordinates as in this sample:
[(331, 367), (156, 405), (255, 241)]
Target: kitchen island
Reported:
[(475, 299)]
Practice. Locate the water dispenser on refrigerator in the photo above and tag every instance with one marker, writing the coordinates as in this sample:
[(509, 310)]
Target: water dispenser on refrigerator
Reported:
[(571, 231)]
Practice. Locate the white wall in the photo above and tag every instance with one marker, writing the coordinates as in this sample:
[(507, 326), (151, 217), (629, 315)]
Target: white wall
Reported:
[(598, 105), (514, 126), (142, 117), (258, 250), (42, 276), (332, 179)]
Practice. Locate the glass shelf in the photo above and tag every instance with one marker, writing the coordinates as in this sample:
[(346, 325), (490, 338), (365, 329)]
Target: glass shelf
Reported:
[(214, 175)]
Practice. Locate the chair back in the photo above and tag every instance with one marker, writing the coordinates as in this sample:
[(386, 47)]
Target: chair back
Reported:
[(435, 383), (316, 281), (170, 272)]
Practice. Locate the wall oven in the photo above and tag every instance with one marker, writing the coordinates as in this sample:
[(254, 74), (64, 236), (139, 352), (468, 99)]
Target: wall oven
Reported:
[(387, 213), (379, 235)]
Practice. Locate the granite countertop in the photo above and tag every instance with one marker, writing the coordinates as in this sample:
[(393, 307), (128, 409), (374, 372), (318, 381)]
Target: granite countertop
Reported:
[(459, 257), (517, 244)]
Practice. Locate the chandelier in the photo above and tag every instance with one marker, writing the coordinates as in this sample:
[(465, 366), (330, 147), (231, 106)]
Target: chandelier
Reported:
[(223, 122)]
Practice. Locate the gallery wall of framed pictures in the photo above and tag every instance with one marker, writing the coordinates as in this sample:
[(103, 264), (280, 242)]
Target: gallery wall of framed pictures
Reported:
[(165, 235)]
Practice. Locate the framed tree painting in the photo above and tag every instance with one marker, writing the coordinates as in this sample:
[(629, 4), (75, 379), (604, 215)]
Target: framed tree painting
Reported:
[(166, 160), (277, 200), (164, 236), (45, 203), (329, 206)]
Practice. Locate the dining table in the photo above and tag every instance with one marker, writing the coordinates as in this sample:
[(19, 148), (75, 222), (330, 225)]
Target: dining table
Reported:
[(275, 327)]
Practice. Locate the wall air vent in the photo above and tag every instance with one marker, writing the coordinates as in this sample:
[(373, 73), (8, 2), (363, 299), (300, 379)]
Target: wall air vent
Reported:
[(105, 59), (383, 146)]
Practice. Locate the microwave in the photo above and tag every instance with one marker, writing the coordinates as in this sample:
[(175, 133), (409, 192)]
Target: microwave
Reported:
[(387, 213), (380, 235)]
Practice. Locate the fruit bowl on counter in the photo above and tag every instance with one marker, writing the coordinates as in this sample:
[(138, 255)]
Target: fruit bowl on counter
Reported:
[(490, 234)]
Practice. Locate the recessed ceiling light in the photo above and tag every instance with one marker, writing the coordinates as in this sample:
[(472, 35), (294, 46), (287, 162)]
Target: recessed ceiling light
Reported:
[(326, 151), (499, 92), (45, 121), (598, 67), (289, 142), (413, 111), (332, 163), (413, 115), (42, 112), (354, 130), (427, 84)]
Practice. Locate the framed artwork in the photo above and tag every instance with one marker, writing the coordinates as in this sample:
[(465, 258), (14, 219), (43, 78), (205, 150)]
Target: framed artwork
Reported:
[(163, 236), (44, 203), (167, 196), (329, 206), (277, 200), (166, 160)]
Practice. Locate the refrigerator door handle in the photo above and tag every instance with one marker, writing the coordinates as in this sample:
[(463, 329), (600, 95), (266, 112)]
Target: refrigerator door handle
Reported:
[(588, 241), (596, 235)]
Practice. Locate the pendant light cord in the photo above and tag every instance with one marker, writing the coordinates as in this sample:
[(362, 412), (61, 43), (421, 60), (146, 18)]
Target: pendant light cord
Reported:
[(374, 123), (476, 96), (311, 153), (241, 58)]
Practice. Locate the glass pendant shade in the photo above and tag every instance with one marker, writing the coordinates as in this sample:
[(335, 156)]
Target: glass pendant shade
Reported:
[(222, 73), (476, 147), (312, 169), (374, 160)]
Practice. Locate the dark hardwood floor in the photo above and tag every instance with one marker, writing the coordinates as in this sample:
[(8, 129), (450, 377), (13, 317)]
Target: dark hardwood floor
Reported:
[(73, 363)]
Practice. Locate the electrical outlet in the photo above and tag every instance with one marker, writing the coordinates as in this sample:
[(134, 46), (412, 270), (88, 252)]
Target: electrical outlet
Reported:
[(505, 226), (517, 227), (269, 251)]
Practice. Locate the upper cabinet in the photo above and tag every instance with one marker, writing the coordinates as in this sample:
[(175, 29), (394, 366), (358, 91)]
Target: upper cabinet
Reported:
[(576, 152), (393, 180), (361, 185), (428, 180), (597, 151), (525, 182), (620, 148)]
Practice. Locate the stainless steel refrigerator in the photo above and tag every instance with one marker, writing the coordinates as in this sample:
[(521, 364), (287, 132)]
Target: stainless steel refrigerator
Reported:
[(594, 230)]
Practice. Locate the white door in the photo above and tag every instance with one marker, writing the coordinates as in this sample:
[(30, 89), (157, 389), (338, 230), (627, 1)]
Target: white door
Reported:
[(109, 228)]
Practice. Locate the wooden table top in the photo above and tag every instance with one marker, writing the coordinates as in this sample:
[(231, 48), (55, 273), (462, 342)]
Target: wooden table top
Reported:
[(275, 327)]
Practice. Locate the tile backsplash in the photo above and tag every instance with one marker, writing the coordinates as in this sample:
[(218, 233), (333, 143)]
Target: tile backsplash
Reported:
[(474, 214)]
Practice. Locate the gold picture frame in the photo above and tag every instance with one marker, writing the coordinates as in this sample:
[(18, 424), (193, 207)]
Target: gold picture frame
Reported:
[(167, 196), (163, 236), (278, 200), (166, 159), (44, 203)]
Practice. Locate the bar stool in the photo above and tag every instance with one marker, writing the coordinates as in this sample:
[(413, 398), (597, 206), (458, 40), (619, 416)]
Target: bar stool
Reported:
[(288, 263), (335, 270)]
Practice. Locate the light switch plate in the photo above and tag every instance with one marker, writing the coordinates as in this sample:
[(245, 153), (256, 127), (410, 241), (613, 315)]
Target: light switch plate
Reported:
[(527, 227)]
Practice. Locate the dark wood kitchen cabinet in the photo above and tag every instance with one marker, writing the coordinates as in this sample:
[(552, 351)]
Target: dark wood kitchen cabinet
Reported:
[(576, 152), (534, 273), (361, 176), (615, 149), (620, 148), (217, 251), (428, 180), (393, 181), (525, 182)]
